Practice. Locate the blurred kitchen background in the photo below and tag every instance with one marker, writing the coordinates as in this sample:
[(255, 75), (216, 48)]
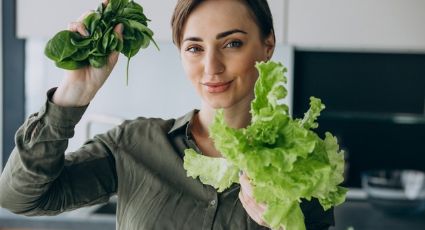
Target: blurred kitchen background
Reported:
[(365, 59)]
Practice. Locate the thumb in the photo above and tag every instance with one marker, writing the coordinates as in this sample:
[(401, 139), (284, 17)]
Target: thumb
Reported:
[(105, 2), (119, 28)]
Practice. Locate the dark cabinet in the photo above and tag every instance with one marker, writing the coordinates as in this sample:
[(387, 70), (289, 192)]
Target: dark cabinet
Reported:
[(374, 105)]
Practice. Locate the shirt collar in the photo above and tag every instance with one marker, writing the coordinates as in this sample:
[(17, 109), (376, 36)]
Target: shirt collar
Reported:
[(183, 122)]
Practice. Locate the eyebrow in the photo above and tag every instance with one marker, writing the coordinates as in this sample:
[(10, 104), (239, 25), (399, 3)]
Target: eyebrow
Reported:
[(219, 36), (227, 33)]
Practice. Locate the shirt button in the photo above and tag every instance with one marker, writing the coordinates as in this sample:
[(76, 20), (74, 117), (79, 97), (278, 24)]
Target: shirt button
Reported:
[(212, 202)]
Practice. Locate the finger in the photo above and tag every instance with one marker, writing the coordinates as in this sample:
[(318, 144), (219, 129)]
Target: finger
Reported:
[(112, 60), (246, 185), (105, 2), (119, 28), (78, 27), (251, 210), (248, 189), (253, 203), (249, 198), (262, 207), (247, 206)]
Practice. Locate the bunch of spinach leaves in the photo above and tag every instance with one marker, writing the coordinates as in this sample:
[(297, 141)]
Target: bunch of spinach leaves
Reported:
[(70, 50)]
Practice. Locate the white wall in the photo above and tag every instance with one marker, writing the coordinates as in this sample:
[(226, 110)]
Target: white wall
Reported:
[(43, 18), (394, 25)]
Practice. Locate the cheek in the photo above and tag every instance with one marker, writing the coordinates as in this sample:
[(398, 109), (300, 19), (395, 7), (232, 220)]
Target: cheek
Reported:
[(194, 75), (251, 73), (248, 74), (190, 68), (245, 68), (244, 64)]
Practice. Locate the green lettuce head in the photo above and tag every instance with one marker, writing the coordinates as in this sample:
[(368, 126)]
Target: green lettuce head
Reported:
[(284, 158)]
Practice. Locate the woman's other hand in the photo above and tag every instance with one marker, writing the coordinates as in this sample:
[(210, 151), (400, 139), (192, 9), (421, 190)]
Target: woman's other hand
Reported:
[(80, 86), (255, 210)]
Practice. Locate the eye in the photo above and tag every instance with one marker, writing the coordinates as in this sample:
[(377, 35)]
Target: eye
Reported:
[(193, 49), (234, 44)]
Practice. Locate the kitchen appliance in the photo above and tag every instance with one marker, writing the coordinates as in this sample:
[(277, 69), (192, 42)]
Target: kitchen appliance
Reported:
[(398, 192)]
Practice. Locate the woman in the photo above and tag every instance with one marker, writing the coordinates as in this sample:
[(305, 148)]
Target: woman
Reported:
[(141, 160)]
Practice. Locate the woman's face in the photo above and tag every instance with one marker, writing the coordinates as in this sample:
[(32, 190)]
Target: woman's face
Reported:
[(219, 48)]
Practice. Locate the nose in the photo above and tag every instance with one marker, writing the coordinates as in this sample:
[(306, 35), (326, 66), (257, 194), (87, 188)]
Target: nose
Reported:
[(213, 64)]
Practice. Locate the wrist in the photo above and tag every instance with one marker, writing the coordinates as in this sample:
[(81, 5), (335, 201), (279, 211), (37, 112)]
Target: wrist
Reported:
[(73, 94)]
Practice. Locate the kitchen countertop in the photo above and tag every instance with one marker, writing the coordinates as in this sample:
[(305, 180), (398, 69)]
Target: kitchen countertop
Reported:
[(362, 216), (81, 219), (356, 212)]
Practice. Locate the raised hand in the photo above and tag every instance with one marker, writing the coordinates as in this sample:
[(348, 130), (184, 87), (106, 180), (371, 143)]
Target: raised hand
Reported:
[(80, 86)]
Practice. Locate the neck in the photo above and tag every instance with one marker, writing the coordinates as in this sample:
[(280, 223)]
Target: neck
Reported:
[(235, 117)]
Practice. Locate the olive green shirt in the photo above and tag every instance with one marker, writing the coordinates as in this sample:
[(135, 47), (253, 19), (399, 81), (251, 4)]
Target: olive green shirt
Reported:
[(140, 160)]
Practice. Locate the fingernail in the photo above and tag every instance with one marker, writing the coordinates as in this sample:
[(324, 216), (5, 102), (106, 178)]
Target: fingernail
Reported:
[(240, 172), (86, 33)]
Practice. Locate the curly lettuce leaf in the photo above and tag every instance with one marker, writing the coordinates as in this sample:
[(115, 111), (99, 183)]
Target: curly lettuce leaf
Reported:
[(284, 158), (225, 174)]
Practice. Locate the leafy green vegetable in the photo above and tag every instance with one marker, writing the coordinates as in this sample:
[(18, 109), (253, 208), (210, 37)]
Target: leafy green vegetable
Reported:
[(225, 173), (70, 50), (284, 158)]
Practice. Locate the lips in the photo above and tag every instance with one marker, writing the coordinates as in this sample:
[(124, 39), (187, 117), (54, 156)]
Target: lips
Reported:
[(217, 87)]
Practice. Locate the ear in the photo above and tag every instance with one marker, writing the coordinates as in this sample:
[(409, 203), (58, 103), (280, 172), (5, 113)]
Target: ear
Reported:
[(270, 43)]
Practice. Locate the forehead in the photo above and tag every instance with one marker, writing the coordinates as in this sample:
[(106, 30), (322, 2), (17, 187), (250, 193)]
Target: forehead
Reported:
[(215, 16)]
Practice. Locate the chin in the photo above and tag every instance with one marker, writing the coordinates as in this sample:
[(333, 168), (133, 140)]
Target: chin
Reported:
[(219, 104), (217, 101)]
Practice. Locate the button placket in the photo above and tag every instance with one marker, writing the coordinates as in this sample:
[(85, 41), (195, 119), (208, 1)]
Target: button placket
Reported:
[(211, 210)]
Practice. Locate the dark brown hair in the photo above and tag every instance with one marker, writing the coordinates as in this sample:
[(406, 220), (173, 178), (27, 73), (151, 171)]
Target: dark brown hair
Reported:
[(259, 9)]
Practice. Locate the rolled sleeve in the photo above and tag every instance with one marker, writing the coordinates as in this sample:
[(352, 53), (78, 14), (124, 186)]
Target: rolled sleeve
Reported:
[(59, 116), (39, 180)]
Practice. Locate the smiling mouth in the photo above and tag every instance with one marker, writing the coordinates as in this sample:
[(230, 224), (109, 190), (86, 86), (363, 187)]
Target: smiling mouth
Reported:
[(217, 87)]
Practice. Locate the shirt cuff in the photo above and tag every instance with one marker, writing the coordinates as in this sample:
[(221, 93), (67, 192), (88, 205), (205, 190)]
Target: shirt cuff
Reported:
[(61, 116)]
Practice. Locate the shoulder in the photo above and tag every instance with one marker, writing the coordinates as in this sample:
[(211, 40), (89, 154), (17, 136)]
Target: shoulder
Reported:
[(134, 131), (137, 135), (147, 126), (143, 126)]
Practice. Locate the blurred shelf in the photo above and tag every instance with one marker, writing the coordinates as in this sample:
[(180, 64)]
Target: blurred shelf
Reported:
[(394, 118)]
